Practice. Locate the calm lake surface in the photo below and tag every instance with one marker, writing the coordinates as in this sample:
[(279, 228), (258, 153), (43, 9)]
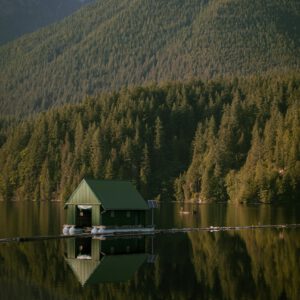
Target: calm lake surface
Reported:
[(242, 264)]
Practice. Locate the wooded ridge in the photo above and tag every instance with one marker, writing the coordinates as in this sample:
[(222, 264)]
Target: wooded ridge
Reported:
[(116, 43), (218, 140)]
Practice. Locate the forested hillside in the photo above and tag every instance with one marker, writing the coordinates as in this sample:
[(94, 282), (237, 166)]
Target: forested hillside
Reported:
[(18, 16), (122, 42), (201, 140)]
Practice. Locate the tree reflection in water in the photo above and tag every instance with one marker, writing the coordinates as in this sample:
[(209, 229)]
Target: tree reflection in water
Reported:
[(254, 264)]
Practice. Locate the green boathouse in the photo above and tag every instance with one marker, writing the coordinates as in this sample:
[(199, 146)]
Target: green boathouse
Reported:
[(107, 203)]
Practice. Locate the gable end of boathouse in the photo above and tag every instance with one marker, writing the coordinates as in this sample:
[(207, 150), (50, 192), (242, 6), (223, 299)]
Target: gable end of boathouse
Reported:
[(108, 203)]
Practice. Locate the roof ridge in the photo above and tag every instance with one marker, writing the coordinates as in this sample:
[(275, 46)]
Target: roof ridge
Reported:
[(114, 180), (112, 194)]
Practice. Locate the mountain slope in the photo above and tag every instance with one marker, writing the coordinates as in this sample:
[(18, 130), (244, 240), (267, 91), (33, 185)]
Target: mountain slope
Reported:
[(18, 16), (225, 139), (240, 37), (115, 43)]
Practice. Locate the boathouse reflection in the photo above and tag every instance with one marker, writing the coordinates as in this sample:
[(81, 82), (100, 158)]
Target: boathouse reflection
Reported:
[(94, 260)]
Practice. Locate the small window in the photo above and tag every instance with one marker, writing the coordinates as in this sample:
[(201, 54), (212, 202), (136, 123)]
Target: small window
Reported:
[(112, 213), (128, 214)]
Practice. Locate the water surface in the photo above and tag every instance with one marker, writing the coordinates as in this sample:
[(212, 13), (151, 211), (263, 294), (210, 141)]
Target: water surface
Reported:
[(245, 264)]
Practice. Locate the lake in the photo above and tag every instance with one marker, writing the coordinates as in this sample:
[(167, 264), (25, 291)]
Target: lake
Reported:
[(239, 264)]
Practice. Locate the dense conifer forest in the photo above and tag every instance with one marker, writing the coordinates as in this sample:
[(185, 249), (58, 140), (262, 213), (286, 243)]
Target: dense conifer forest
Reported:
[(116, 43), (226, 139)]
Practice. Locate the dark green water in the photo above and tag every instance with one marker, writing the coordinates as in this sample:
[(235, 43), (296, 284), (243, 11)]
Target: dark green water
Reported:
[(245, 264)]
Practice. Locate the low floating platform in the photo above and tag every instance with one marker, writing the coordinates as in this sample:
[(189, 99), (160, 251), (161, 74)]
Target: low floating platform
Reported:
[(71, 230), (145, 231), (122, 230)]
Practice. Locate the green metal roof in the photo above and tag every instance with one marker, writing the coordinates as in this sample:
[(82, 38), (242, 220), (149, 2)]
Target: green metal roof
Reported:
[(112, 268), (111, 194)]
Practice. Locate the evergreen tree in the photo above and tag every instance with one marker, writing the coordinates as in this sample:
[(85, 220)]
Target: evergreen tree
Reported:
[(44, 183), (96, 154), (145, 171)]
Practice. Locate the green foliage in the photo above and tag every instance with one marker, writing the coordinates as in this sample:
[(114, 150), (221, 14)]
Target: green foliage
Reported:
[(110, 44), (145, 171), (206, 141), (253, 154)]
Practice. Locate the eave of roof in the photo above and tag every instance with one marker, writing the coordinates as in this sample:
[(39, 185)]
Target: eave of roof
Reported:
[(114, 195)]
